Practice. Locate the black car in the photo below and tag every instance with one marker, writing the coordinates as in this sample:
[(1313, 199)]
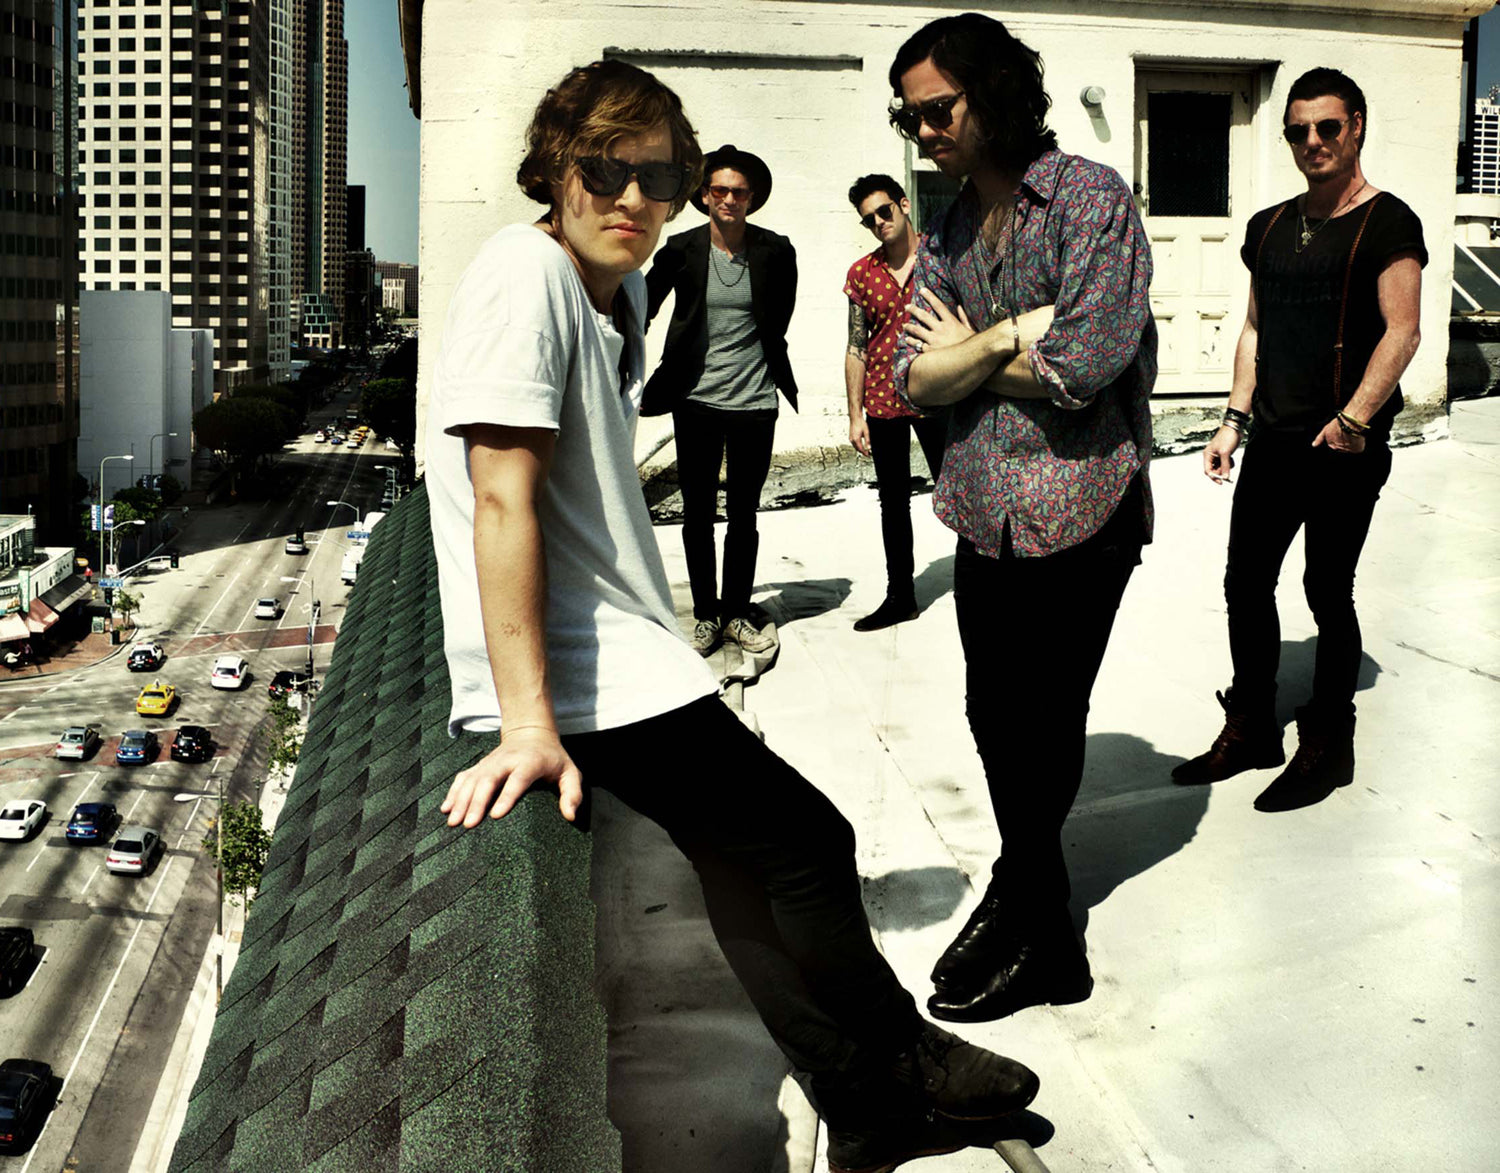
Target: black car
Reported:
[(284, 682), (25, 1098), (193, 743), (17, 957)]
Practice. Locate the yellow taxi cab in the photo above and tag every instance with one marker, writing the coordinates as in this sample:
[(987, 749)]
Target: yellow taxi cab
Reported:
[(156, 699)]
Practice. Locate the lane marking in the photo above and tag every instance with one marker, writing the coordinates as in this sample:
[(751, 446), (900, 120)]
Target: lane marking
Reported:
[(133, 805), (97, 869), (215, 607)]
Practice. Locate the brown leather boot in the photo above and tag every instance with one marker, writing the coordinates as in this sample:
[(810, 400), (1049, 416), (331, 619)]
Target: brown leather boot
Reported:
[(1324, 761), (1245, 743)]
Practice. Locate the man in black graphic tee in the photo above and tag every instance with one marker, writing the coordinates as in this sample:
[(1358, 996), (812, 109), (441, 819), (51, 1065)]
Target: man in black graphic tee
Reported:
[(1333, 322)]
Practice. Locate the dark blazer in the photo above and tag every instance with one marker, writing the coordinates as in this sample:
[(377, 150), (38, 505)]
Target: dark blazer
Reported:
[(681, 266)]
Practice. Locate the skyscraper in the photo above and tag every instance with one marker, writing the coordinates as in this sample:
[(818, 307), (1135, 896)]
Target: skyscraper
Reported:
[(1484, 145), (320, 129), (38, 264), (174, 158)]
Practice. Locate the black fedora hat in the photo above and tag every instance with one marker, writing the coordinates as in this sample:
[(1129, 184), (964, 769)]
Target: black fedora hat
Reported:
[(752, 167)]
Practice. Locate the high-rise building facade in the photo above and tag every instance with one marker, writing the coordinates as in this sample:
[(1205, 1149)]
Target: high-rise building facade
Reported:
[(399, 287), (355, 217), (319, 139), (280, 194), (174, 158), (1484, 145), (38, 264)]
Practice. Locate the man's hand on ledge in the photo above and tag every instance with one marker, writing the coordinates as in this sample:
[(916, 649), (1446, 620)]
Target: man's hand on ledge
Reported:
[(523, 758)]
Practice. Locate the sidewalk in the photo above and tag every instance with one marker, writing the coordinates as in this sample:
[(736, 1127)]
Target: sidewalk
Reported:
[(1306, 991), (84, 652)]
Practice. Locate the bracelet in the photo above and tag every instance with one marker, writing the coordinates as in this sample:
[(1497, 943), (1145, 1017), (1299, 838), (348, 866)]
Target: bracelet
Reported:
[(1232, 425), (1233, 416), (1015, 330), (1351, 425)]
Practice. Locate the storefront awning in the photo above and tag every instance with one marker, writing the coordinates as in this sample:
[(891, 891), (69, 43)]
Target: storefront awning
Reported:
[(66, 593), (13, 627), (40, 617)]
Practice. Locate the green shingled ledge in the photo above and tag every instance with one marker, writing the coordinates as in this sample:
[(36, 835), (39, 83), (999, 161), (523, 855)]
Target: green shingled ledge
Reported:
[(406, 997)]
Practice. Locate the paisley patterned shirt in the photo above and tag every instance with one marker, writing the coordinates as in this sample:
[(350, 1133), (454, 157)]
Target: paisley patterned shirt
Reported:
[(1051, 470), (886, 306)]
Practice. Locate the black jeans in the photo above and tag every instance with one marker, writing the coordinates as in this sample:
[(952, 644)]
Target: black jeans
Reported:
[(1034, 632), (890, 448), (776, 861), (704, 435), (1286, 484)]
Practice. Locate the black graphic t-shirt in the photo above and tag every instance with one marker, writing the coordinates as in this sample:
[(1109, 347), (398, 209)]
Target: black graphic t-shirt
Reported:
[(1297, 297)]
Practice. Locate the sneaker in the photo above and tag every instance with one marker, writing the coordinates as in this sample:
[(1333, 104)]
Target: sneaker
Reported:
[(888, 614), (707, 635), (962, 1081), (740, 630), (1245, 743)]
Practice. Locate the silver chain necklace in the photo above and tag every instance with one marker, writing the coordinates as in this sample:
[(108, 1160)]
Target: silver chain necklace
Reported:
[(1308, 233), (713, 252)]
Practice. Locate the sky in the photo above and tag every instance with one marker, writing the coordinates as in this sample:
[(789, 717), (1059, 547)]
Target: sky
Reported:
[(1488, 72), (382, 130)]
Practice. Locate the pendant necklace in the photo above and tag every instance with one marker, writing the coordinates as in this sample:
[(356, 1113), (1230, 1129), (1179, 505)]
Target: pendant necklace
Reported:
[(713, 251), (997, 309), (1308, 233)]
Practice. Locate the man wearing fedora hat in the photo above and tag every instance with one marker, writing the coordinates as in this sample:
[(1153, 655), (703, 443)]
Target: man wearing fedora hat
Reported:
[(724, 362)]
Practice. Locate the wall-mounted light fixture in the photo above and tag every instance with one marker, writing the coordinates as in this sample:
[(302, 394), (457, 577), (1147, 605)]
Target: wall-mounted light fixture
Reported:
[(1092, 96)]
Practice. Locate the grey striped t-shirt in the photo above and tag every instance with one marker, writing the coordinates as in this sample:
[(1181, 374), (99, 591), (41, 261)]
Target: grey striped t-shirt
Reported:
[(735, 376)]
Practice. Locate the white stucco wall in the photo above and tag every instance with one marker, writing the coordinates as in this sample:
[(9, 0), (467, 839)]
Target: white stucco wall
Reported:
[(811, 99)]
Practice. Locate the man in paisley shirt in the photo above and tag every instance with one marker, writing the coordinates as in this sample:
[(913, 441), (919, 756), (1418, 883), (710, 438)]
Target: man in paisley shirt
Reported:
[(878, 287), (1031, 317), (1335, 296)]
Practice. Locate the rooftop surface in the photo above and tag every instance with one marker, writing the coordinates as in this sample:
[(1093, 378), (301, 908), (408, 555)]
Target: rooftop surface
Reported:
[(1302, 991)]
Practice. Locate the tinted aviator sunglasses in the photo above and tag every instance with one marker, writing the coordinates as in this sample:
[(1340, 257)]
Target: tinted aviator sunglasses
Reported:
[(937, 113), (886, 212), (1328, 128), (603, 176)]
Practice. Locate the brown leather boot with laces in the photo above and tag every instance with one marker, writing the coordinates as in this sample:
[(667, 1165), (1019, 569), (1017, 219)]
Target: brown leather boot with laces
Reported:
[(1324, 761), (1245, 743)]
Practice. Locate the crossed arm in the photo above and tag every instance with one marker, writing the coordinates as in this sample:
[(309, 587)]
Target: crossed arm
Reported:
[(508, 467), (956, 360)]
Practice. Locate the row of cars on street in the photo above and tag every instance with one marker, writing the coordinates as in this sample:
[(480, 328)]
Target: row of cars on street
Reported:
[(27, 1087), (350, 439)]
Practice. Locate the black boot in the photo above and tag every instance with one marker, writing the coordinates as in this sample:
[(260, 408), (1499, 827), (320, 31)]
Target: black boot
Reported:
[(1324, 761), (961, 1080), (1248, 741), (878, 1123), (1039, 967), (978, 948), (895, 609)]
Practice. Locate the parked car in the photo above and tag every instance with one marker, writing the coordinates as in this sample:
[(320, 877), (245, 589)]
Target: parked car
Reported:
[(138, 747), (133, 850), (268, 608), (17, 957), (193, 743), (295, 545), (156, 699), (77, 741), (229, 672), (25, 1099), (146, 656), (287, 681), (92, 822), (19, 817)]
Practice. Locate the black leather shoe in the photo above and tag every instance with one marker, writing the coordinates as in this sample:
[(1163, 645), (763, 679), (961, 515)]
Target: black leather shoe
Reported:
[(883, 1147), (1324, 761), (963, 1081), (1042, 970), (980, 946), (888, 614)]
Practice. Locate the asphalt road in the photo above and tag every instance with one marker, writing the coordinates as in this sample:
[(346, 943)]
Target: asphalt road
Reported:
[(120, 953)]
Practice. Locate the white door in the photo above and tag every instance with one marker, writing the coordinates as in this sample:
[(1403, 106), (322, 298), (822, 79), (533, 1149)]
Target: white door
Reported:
[(1192, 169)]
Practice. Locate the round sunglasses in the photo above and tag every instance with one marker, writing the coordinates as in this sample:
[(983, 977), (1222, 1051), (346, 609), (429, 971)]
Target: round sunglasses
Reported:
[(603, 176), (1328, 128), (937, 113)]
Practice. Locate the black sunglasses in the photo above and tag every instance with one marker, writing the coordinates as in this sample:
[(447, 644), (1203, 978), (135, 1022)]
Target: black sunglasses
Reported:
[(603, 176), (1328, 128), (886, 212), (937, 113)]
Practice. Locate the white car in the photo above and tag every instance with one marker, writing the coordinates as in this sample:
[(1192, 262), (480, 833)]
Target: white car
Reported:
[(229, 672), (268, 608), (77, 741), (296, 545), (133, 850), (320, 437), (19, 817)]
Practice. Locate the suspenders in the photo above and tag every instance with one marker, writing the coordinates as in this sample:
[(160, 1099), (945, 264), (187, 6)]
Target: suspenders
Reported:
[(1338, 342)]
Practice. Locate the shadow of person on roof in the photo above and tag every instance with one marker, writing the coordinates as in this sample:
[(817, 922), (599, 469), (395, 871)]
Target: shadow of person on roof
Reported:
[(803, 599), (1294, 677)]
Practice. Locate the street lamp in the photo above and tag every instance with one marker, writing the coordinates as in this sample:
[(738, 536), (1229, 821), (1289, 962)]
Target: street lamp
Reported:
[(218, 876), (102, 463), (150, 452), (312, 616), (114, 548)]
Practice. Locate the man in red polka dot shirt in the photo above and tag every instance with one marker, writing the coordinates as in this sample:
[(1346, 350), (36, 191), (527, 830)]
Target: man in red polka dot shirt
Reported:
[(879, 289)]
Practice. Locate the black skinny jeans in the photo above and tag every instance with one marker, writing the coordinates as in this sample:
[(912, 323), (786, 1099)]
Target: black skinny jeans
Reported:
[(776, 861), (890, 448), (1284, 484), (1034, 631), (704, 435)]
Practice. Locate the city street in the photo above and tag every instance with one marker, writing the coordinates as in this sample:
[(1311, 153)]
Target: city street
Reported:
[(119, 953)]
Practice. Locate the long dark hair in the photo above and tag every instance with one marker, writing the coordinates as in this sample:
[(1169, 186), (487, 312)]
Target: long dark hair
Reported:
[(1001, 79)]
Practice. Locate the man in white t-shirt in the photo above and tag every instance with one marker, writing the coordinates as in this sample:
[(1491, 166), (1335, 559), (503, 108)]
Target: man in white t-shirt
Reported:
[(559, 628)]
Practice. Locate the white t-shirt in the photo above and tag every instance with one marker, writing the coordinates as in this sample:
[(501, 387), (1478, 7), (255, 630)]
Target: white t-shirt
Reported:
[(523, 346)]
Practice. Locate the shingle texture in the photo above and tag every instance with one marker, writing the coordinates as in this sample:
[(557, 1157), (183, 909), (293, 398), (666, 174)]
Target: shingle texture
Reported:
[(407, 997)]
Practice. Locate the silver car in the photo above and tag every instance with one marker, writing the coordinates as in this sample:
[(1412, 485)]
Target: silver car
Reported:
[(133, 850), (77, 741)]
